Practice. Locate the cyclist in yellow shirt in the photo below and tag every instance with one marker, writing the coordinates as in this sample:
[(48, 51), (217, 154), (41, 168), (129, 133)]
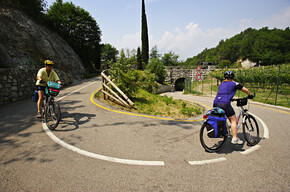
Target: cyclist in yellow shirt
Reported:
[(43, 76)]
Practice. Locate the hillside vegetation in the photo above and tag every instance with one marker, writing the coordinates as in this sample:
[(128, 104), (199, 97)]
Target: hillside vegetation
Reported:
[(267, 46)]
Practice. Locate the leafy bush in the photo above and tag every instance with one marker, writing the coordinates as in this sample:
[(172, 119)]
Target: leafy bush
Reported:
[(130, 80), (156, 66)]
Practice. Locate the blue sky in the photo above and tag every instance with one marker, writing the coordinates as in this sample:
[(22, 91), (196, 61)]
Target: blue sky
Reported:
[(185, 27)]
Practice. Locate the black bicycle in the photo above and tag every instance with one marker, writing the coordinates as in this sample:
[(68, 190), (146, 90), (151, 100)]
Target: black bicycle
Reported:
[(51, 109), (249, 124)]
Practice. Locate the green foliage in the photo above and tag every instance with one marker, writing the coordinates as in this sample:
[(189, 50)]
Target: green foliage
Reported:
[(156, 66), (163, 106), (108, 54), (168, 100), (189, 111), (154, 53), (170, 59), (260, 76), (130, 80), (269, 46), (224, 64), (79, 29), (139, 59)]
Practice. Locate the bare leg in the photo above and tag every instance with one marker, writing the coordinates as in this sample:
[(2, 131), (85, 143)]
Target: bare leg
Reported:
[(40, 100), (234, 125)]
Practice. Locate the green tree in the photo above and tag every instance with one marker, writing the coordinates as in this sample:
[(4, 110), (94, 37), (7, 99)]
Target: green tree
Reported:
[(270, 46), (79, 29), (224, 63), (154, 53), (170, 59), (108, 54), (144, 36), (156, 66), (139, 59), (130, 80)]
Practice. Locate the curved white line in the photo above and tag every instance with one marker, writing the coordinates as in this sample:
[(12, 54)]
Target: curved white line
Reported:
[(250, 150), (139, 162), (204, 162), (265, 127), (74, 91), (97, 156)]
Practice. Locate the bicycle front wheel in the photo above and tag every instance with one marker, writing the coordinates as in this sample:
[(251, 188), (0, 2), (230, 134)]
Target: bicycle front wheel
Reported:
[(52, 115), (211, 144), (251, 130)]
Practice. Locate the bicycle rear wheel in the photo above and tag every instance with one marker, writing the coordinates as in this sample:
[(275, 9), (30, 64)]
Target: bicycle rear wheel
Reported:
[(52, 115), (211, 144), (251, 130)]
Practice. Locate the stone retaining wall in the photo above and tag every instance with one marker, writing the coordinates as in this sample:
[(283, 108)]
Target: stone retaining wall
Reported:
[(17, 84), (175, 72)]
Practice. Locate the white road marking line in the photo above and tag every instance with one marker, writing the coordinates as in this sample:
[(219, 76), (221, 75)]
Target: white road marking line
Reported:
[(75, 91), (94, 155), (138, 162), (97, 156), (265, 127), (250, 150), (204, 162)]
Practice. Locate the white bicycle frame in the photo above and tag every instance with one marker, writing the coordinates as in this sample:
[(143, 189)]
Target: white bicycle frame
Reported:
[(241, 113)]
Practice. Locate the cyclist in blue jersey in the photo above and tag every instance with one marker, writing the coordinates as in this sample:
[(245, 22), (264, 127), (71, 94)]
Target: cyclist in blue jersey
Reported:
[(226, 92)]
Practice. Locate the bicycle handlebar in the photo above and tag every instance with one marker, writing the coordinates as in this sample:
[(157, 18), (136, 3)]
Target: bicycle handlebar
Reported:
[(44, 82), (247, 97)]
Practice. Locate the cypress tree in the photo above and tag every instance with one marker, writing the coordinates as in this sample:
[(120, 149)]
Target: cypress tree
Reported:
[(144, 36), (139, 59)]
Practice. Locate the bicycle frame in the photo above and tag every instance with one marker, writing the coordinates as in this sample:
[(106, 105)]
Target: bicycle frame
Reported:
[(241, 114)]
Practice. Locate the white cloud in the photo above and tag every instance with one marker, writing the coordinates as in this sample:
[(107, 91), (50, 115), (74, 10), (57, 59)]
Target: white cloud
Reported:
[(186, 42), (281, 20), (130, 41), (191, 39)]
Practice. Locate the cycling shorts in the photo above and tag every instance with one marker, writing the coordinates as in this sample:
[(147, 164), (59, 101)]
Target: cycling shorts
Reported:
[(226, 107), (38, 88)]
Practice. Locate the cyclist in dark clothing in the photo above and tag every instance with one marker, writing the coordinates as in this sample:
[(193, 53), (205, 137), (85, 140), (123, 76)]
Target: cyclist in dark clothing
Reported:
[(226, 92)]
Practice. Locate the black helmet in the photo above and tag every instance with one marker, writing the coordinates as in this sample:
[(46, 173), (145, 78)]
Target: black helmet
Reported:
[(229, 75)]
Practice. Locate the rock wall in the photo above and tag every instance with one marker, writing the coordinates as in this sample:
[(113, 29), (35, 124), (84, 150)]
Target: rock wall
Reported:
[(17, 84), (24, 45)]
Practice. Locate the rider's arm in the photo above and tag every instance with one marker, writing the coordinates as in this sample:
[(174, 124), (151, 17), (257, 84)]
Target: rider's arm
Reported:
[(40, 80), (245, 90), (59, 82)]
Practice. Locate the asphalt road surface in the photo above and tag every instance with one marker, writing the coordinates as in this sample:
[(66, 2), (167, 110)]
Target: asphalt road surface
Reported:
[(97, 148)]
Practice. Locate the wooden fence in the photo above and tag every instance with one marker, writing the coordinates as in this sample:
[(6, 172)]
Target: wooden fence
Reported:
[(108, 92)]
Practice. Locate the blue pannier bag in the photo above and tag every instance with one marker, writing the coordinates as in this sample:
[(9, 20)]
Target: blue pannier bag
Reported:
[(52, 88), (216, 123), (35, 96)]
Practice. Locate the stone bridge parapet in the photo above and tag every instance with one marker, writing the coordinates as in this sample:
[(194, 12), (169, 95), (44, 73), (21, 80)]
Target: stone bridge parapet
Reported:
[(178, 72)]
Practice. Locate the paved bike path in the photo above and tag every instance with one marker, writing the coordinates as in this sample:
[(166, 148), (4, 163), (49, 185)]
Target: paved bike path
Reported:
[(31, 161)]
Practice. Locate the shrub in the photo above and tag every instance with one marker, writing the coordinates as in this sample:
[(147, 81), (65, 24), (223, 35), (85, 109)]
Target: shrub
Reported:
[(157, 67), (130, 80)]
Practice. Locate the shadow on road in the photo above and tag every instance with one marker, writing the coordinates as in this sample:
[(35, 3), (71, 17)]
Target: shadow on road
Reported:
[(72, 121)]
